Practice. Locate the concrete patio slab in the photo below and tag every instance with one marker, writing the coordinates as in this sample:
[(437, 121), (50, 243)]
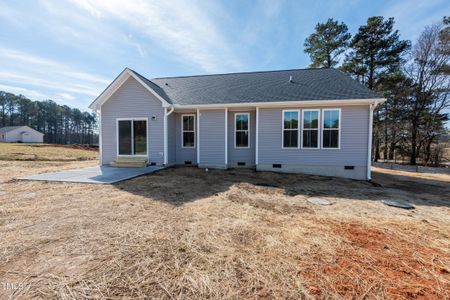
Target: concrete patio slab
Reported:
[(98, 174)]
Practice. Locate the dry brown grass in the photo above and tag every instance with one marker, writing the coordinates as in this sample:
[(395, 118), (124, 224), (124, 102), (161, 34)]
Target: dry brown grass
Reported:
[(236, 234), (46, 152)]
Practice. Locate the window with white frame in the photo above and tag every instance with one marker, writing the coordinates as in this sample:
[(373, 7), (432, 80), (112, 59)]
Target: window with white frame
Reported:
[(331, 128), (188, 131), (241, 130), (290, 128), (310, 126)]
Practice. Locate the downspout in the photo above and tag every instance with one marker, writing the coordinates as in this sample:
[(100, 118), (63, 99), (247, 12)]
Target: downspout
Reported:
[(198, 137), (257, 138), (100, 148), (166, 135), (369, 142), (226, 138)]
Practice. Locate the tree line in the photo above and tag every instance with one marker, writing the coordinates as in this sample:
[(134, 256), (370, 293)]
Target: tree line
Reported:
[(412, 76), (60, 124)]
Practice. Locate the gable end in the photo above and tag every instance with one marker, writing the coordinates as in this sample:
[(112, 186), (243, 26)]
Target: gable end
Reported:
[(117, 83)]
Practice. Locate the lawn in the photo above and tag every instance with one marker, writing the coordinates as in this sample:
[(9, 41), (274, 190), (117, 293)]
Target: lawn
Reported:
[(185, 233), (46, 152)]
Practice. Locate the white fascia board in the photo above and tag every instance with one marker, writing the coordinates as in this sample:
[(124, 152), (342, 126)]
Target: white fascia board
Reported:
[(309, 103), (109, 90), (116, 84)]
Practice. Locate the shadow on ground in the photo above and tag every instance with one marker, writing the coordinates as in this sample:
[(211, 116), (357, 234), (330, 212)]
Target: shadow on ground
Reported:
[(185, 184)]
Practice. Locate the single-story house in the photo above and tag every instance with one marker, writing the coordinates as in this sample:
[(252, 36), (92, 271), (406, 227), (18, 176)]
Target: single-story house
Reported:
[(20, 134), (315, 121)]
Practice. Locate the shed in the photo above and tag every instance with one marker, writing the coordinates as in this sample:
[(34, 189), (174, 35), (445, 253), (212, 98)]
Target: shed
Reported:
[(20, 134)]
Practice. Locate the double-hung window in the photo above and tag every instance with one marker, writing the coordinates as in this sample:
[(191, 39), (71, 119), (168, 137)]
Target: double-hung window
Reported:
[(290, 128), (188, 131), (310, 126), (331, 128), (242, 130)]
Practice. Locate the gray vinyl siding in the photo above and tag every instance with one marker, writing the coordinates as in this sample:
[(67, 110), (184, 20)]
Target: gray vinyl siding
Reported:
[(236, 155), (171, 138), (354, 140), (184, 154), (132, 100), (212, 138)]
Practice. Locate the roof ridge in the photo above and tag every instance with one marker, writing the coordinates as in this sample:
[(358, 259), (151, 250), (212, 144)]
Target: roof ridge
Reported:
[(249, 72)]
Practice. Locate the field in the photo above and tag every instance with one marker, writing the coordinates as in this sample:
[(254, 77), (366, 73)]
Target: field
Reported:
[(46, 152), (184, 233)]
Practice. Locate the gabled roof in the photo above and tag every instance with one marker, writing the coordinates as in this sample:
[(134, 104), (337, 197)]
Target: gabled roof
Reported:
[(120, 79), (253, 87), (153, 86), (7, 129), (270, 86)]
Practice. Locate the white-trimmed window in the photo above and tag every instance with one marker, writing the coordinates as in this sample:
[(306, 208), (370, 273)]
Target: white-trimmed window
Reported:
[(310, 128), (290, 128), (188, 131), (132, 137), (242, 130), (331, 128)]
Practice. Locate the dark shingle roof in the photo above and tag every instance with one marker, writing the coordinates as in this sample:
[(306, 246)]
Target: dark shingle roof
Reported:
[(153, 86), (270, 86)]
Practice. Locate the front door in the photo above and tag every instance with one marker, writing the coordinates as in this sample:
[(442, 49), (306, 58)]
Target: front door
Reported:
[(132, 137)]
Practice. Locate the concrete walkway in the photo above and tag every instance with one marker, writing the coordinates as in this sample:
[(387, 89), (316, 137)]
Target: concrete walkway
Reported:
[(98, 174)]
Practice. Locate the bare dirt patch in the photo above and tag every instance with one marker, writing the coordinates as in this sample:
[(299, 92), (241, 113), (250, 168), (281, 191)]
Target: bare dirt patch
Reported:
[(235, 234), (372, 261)]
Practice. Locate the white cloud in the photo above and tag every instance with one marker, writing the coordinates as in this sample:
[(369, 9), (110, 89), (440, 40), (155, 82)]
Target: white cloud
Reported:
[(66, 96), (33, 94), (129, 39), (411, 18), (41, 78), (183, 28)]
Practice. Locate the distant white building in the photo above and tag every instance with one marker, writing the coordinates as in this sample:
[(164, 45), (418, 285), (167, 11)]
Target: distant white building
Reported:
[(20, 134)]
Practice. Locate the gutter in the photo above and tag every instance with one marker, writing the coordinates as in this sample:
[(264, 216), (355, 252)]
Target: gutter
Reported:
[(166, 135), (172, 108), (306, 103)]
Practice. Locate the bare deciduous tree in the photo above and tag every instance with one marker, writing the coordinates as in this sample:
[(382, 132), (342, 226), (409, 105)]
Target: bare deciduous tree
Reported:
[(428, 70)]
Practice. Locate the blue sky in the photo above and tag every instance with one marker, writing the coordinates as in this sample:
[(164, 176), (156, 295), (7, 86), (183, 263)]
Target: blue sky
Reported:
[(69, 51)]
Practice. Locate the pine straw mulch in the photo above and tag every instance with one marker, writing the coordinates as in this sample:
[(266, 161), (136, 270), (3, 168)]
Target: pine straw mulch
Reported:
[(187, 234)]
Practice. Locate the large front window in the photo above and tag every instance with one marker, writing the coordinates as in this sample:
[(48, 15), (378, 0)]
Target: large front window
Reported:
[(290, 128), (241, 126), (132, 137), (331, 128)]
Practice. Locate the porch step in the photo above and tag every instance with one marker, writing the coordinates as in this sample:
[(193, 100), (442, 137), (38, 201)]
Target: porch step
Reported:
[(130, 162)]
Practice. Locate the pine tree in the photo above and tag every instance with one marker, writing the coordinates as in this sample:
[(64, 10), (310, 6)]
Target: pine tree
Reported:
[(376, 51), (327, 43)]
